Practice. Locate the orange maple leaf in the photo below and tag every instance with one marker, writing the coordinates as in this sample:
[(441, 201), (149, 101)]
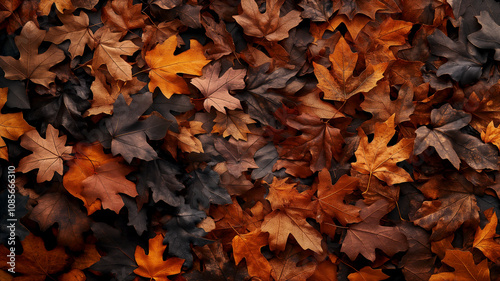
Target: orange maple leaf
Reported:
[(152, 265)]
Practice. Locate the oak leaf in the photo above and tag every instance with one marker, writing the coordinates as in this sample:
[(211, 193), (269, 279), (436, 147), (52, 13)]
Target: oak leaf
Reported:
[(36, 263), (268, 25), (216, 89), (339, 83), (74, 28), (484, 238), (465, 268), (48, 154), (165, 66), (486, 38), (12, 125), (32, 65), (379, 160), (152, 265), (368, 235), (233, 123), (247, 246)]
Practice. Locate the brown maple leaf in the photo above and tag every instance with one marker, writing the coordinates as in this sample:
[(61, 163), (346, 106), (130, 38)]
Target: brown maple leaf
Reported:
[(465, 268), (292, 265), (247, 246), (331, 198), (123, 16), (152, 265), (216, 89), (339, 83), (74, 28), (312, 104), (319, 139), (484, 238), (93, 174), (368, 235), (379, 160), (109, 51), (165, 66), (48, 154), (455, 204), (233, 123), (12, 125), (36, 263), (268, 25), (57, 208), (32, 65)]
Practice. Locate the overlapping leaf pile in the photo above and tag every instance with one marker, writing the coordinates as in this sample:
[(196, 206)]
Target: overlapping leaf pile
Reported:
[(263, 140)]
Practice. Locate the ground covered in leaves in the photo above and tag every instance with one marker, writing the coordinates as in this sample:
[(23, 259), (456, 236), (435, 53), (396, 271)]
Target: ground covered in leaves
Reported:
[(250, 140)]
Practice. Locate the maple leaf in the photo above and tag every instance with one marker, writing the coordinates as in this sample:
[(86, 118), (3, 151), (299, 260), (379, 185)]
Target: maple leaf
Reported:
[(382, 107), (451, 144), (12, 125), (239, 154), (484, 238), (32, 65), (247, 246), (74, 28), (367, 273), (36, 263), (233, 123), (318, 10), (331, 198), (319, 139), (418, 262), (128, 133), (379, 160), (164, 66), (216, 89), (491, 135), (351, 8), (290, 266), (123, 15), (109, 51), (58, 208), (465, 268), (152, 265), (265, 158), (268, 25), (167, 106), (203, 189), (457, 205), (339, 84), (363, 238), (223, 43), (61, 5), (48, 154)]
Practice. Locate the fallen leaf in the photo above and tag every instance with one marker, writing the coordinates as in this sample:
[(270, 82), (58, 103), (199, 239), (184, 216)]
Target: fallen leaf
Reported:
[(465, 268)]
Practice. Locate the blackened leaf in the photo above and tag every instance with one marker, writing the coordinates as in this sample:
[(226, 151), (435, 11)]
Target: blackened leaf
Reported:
[(265, 158), (318, 10), (477, 154), (203, 189), (465, 62), (182, 231), (119, 259), (64, 110), (487, 37), (467, 9), (217, 266), (129, 134), (261, 102), (159, 176), (137, 219), (176, 103)]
